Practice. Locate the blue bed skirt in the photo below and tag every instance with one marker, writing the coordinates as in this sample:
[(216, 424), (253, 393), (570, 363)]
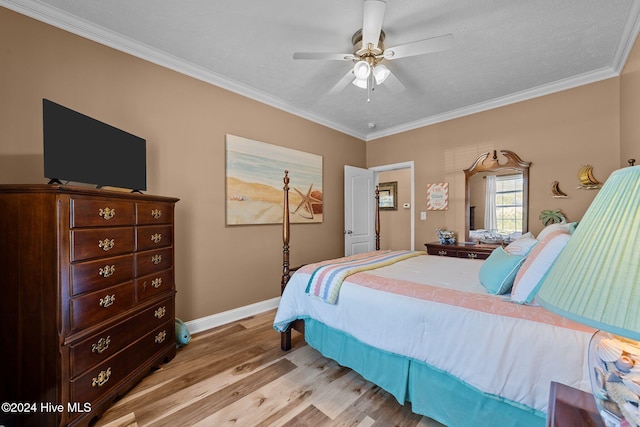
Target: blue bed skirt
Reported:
[(432, 392)]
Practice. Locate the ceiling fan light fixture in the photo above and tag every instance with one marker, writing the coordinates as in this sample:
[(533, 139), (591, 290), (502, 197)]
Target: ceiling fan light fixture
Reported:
[(361, 70), (361, 83), (380, 73)]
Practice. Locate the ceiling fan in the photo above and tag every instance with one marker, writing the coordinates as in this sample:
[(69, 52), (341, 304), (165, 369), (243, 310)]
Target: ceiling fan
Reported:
[(369, 52)]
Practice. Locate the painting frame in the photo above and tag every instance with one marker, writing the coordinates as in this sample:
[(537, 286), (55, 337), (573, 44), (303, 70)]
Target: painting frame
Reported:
[(438, 196), (388, 196), (254, 183)]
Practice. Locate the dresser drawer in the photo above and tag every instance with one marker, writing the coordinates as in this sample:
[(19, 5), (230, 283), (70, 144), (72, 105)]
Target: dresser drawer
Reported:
[(442, 252), (101, 242), (94, 212), (93, 275), (472, 254), (468, 251), (97, 381), (154, 284), (154, 342), (152, 261), (154, 213), (100, 305), (152, 237), (96, 349)]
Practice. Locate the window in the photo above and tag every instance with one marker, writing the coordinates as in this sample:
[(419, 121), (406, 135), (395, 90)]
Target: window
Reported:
[(509, 193)]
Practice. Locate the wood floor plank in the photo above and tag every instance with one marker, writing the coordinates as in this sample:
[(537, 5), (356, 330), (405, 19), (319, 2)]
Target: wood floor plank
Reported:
[(238, 375), (309, 417), (274, 401), (258, 320), (183, 379), (216, 401), (381, 407), (342, 393), (367, 422), (266, 403)]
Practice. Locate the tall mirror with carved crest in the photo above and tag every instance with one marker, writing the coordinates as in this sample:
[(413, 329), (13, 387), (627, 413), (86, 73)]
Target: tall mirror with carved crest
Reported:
[(497, 198)]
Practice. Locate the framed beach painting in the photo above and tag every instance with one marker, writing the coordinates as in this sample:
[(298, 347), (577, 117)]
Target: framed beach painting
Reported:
[(254, 173)]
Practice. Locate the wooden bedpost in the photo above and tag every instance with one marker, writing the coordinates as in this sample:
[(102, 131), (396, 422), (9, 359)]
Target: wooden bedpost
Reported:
[(298, 325), (285, 337), (377, 219), (285, 234)]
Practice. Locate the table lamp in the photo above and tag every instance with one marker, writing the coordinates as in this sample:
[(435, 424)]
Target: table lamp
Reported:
[(596, 281)]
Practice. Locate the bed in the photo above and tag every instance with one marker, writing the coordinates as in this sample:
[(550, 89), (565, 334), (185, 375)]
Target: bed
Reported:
[(426, 329)]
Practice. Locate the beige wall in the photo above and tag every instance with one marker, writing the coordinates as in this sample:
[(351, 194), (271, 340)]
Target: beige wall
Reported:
[(557, 133), (184, 122), (630, 108)]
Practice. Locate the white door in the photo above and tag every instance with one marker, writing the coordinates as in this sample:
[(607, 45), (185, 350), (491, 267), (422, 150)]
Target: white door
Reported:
[(359, 210)]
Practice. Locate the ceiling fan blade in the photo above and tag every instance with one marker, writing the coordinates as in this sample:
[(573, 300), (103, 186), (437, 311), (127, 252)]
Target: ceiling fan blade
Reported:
[(394, 85), (321, 55), (372, 22), (433, 44), (342, 83)]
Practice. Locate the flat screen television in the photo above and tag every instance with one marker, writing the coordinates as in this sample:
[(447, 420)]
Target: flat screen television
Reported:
[(81, 149)]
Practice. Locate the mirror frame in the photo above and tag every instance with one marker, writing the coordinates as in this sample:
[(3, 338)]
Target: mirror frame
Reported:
[(493, 165)]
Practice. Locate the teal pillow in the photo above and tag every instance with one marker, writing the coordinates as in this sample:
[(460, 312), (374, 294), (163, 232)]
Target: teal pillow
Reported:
[(498, 272)]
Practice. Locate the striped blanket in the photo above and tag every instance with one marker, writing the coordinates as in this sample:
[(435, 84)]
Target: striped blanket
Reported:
[(326, 280)]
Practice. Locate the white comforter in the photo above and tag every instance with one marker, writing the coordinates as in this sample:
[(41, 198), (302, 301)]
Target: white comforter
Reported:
[(514, 358)]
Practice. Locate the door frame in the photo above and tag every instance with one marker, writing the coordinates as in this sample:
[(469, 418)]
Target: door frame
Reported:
[(404, 165)]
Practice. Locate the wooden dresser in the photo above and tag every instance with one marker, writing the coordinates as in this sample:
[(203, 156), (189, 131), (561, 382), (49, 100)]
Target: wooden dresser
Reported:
[(87, 299), (460, 250)]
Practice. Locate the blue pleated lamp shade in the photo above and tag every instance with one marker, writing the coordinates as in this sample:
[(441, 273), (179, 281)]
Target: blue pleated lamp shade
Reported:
[(596, 278)]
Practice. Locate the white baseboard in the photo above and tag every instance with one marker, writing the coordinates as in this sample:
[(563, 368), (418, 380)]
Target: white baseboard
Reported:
[(219, 319)]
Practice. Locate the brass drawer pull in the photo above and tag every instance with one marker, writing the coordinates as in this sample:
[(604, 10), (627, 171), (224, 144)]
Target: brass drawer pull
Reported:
[(156, 238), (160, 312), (156, 259), (442, 253), (107, 300), (160, 337), (106, 244), (107, 271), (157, 282), (107, 213), (102, 378), (156, 213), (472, 255), (101, 345)]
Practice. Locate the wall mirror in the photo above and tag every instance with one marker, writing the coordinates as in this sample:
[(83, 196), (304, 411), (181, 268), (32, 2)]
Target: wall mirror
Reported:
[(497, 197)]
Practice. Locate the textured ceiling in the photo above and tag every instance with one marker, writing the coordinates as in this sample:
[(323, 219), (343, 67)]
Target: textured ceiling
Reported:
[(504, 51)]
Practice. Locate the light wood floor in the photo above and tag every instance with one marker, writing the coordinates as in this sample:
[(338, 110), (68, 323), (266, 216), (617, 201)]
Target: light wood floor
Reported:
[(237, 375)]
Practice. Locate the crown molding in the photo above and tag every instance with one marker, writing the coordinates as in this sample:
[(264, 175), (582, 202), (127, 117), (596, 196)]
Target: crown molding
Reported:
[(88, 30), (628, 39), (539, 91), (83, 28), (629, 34)]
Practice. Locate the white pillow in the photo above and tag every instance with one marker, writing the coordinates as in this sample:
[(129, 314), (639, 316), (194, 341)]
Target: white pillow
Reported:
[(535, 267), (522, 245), (568, 226)]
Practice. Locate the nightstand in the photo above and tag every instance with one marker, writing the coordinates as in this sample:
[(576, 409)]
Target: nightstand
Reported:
[(461, 250), (570, 407)]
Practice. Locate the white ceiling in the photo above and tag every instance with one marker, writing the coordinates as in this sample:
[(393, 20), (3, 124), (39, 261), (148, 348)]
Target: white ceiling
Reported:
[(504, 51)]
